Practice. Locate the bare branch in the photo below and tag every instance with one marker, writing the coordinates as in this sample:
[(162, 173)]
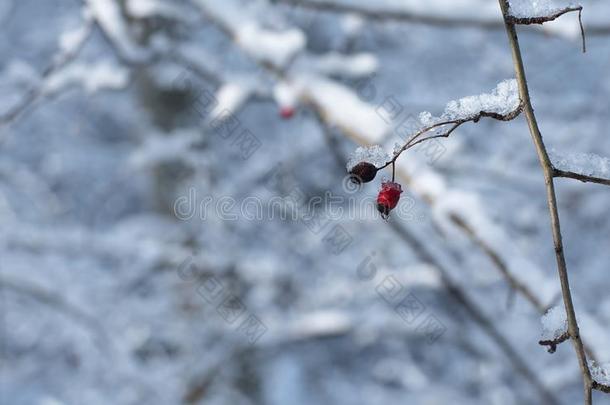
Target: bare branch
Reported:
[(552, 344), (547, 168), (600, 387), (511, 19), (453, 125), (581, 177), (543, 19)]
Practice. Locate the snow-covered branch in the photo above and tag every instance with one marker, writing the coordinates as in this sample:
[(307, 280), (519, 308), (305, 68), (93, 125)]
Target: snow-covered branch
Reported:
[(70, 45), (585, 167), (527, 13), (502, 104)]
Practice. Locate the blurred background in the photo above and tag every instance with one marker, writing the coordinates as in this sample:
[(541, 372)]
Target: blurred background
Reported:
[(166, 176)]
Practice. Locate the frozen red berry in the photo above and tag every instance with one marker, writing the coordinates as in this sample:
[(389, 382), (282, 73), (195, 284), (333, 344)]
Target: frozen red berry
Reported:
[(286, 112), (363, 172), (388, 197)]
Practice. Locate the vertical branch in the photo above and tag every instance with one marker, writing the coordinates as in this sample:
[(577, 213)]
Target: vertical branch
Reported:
[(547, 169)]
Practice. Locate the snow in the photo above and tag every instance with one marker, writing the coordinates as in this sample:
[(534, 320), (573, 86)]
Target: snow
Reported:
[(534, 8), (600, 372), (503, 100), (230, 97), (86, 228), (70, 41), (374, 154), (344, 108), (151, 8), (164, 148), (353, 66), (91, 76), (554, 323), (287, 94), (352, 24), (108, 15), (277, 48), (320, 324), (588, 164)]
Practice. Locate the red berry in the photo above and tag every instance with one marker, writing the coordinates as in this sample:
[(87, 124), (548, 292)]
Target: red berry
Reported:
[(286, 112), (388, 197)]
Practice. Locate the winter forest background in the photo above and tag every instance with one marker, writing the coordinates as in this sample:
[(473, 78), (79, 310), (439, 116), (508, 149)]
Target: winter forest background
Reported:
[(177, 227)]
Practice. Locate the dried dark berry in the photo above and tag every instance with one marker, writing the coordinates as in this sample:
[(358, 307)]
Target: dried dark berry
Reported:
[(363, 172)]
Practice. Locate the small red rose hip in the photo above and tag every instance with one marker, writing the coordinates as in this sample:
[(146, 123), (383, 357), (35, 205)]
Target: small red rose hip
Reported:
[(286, 112), (388, 197), (363, 172)]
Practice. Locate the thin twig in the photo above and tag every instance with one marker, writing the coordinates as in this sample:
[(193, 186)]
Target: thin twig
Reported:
[(582, 177), (511, 19), (543, 19), (600, 387), (454, 124), (547, 168), (552, 343)]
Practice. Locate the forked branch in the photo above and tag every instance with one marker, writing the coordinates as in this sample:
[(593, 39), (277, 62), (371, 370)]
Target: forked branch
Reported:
[(549, 175)]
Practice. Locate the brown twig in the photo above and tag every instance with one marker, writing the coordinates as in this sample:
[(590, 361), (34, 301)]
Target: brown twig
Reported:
[(543, 19), (547, 168), (453, 125), (600, 387), (552, 343), (581, 177), (511, 19)]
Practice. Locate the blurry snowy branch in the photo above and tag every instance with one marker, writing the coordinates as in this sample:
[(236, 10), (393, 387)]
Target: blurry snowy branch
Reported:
[(70, 45), (439, 259), (56, 302), (445, 15)]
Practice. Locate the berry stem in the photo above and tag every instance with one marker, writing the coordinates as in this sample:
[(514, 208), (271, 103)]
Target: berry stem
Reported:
[(453, 125)]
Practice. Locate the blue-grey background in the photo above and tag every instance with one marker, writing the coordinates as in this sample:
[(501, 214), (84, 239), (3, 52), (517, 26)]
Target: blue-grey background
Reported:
[(95, 309)]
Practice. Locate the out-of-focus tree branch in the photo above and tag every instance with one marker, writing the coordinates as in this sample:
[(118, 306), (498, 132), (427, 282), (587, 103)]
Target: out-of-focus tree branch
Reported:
[(381, 15)]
